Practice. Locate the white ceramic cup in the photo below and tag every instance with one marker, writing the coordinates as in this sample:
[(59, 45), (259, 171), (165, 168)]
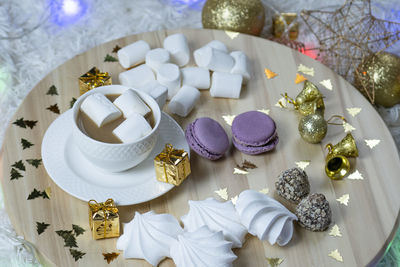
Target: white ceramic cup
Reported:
[(115, 157)]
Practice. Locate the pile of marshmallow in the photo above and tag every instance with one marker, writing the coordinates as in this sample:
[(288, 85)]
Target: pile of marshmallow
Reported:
[(129, 104), (162, 78), (211, 229)]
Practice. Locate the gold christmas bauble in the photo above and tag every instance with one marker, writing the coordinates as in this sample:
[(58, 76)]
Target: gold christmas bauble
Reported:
[(245, 16), (313, 128), (381, 72)]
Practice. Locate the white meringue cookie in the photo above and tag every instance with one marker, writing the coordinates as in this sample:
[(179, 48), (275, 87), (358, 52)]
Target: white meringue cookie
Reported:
[(218, 216), (265, 217), (202, 248), (149, 236)]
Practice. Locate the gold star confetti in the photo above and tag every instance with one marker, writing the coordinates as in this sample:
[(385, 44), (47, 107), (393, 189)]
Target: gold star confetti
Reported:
[(335, 231), (372, 142), (336, 255), (266, 111), (355, 176), (239, 171), (269, 73), (281, 103), (302, 164), (229, 119), (306, 70), (48, 191), (327, 84), (344, 199), (222, 193), (265, 191), (232, 35), (234, 199), (299, 78), (353, 111), (273, 262), (348, 128)]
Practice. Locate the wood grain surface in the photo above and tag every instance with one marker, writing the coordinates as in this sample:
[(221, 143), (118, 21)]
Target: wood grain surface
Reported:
[(367, 224)]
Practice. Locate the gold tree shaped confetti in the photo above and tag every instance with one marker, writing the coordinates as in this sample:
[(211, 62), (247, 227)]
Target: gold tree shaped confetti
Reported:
[(335, 231), (239, 171), (269, 73), (266, 111), (372, 142), (348, 128), (353, 111), (281, 103), (327, 84), (336, 255), (231, 34), (229, 119), (234, 199), (344, 199), (265, 191), (48, 192), (303, 164), (273, 262), (299, 78), (356, 176), (109, 257), (222, 193), (306, 70)]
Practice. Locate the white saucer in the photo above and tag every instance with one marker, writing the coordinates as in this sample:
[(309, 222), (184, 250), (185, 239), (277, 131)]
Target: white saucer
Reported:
[(73, 173)]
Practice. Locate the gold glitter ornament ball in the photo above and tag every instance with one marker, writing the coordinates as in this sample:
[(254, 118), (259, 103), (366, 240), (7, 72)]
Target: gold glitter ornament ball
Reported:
[(245, 16), (313, 128), (381, 72)]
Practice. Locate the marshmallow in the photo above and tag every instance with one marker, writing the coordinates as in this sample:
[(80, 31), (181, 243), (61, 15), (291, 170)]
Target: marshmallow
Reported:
[(213, 59), (157, 91), (178, 46), (156, 57), (217, 45), (196, 77), (130, 102), (226, 85), (99, 109), (170, 76), (242, 65), (137, 77), (184, 101), (132, 129), (133, 54)]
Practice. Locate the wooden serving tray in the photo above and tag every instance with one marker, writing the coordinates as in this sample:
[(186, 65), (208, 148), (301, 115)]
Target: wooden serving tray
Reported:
[(367, 224)]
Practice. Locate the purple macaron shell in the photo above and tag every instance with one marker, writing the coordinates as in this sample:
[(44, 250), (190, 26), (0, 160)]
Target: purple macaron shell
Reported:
[(254, 132), (207, 138)]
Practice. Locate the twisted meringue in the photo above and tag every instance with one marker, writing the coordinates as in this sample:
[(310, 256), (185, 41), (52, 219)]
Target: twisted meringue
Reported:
[(265, 217), (218, 216), (149, 236), (202, 248)]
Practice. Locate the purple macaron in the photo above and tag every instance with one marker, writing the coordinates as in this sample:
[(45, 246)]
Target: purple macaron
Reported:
[(254, 132), (207, 138)]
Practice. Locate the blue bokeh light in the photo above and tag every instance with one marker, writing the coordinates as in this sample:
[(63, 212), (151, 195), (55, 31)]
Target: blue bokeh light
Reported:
[(65, 12), (194, 4)]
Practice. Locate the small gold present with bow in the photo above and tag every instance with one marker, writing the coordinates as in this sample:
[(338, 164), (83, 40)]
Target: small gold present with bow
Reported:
[(103, 219), (172, 165), (92, 79)]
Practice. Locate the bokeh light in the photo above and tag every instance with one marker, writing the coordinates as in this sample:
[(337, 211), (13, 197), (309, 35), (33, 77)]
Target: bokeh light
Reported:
[(65, 12)]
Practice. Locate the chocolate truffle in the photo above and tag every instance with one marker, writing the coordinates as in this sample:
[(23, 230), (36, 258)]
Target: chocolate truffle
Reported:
[(293, 185), (314, 213)]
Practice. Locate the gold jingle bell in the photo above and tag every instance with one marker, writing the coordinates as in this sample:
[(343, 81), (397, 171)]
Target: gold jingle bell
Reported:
[(337, 164), (310, 99)]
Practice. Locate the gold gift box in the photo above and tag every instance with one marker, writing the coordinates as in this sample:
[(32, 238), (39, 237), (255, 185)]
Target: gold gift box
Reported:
[(279, 26), (103, 219), (92, 79), (172, 165)]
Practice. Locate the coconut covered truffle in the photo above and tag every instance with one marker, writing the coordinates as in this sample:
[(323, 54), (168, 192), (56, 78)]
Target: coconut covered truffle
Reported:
[(314, 213), (293, 185)]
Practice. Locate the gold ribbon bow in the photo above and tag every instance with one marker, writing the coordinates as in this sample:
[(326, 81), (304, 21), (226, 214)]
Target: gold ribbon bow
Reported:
[(167, 155), (94, 78), (107, 206)]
